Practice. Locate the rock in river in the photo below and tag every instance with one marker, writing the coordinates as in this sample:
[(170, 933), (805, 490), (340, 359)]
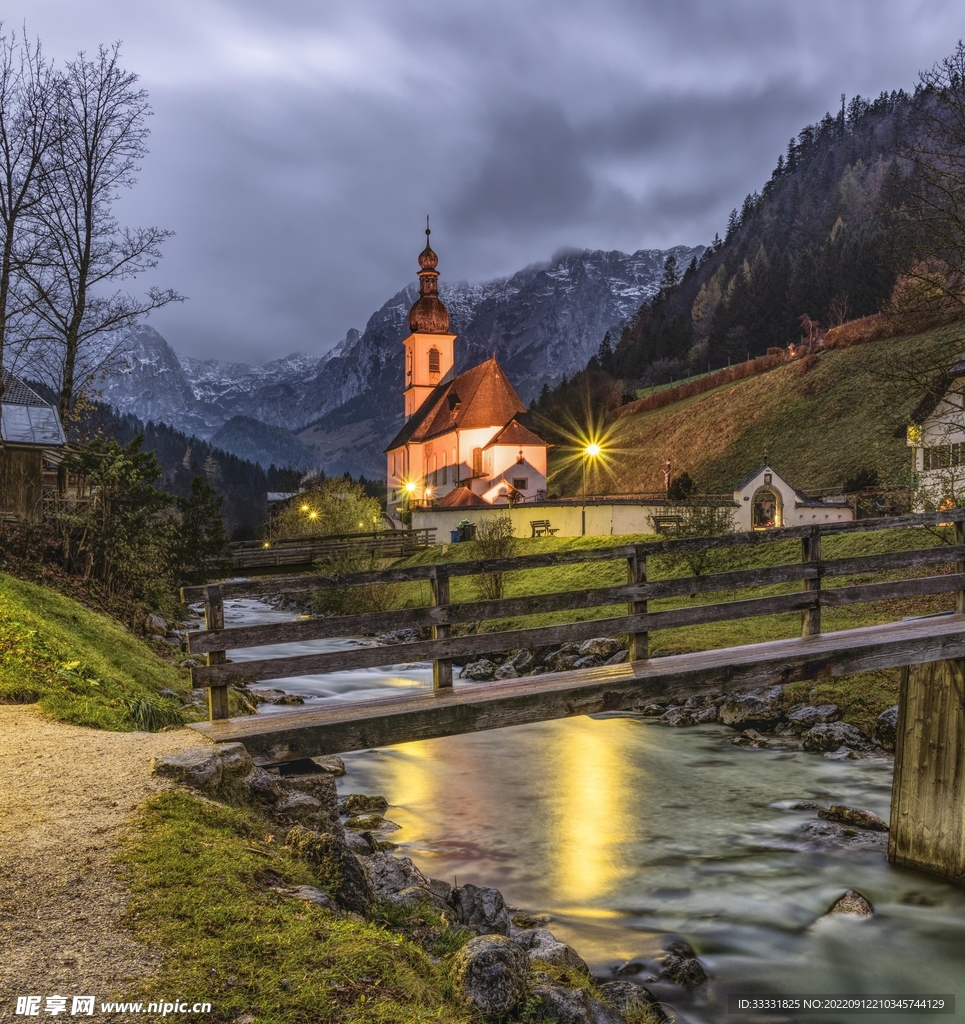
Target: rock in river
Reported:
[(854, 816), (480, 671), (762, 707), (572, 1006), (491, 972), (833, 735), (851, 903), (886, 728), (806, 716)]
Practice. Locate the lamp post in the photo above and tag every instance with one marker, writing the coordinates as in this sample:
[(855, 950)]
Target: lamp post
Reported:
[(408, 490), (591, 450)]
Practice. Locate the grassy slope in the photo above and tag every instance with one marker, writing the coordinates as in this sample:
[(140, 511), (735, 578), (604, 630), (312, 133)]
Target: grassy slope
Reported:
[(80, 665), (818, 425)]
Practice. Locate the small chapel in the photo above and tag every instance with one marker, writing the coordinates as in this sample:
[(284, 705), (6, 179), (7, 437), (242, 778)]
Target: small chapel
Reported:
[(463, 443)]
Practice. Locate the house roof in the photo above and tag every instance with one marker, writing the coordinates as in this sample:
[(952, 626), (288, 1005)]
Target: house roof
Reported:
[(480, 397), (26, 418), (754, 472), (461, 497), (515, 435)]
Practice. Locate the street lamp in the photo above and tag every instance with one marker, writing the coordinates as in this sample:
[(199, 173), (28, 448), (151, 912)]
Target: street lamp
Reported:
[(408, 489), (591, 451)]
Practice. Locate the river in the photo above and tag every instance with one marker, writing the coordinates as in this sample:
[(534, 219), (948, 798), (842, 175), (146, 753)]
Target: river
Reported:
[(623, 831)]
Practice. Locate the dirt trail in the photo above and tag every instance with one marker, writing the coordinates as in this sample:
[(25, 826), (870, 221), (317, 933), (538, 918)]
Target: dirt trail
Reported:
[(66, 796)]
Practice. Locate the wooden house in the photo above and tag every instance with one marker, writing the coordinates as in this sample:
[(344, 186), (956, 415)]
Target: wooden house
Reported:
[(33, 440)]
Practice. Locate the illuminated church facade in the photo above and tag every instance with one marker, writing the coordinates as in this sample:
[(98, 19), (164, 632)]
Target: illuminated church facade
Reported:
[(463, 443)]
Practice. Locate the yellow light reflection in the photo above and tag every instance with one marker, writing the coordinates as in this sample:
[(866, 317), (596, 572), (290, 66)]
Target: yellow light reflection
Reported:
[(591, 814)]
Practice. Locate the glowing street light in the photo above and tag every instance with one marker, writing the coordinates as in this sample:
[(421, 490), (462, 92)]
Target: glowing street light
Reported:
[(590, 451)]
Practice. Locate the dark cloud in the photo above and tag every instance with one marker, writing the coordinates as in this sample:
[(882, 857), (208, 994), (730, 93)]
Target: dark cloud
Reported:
[(297, 146)]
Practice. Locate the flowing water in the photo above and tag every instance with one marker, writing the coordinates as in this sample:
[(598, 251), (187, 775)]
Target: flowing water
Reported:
[(625, 832)]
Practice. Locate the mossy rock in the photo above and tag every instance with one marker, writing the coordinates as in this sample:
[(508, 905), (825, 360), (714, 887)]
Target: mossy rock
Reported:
[(336, 868)]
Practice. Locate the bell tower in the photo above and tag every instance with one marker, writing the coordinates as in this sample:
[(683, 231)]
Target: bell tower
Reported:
[(429, 348)]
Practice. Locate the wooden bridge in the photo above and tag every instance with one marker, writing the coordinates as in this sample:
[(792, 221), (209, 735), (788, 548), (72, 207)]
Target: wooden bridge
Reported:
[(928, 811)]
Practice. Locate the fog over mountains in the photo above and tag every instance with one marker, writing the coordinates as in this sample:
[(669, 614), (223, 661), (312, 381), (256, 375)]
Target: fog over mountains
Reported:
[(543, 322)]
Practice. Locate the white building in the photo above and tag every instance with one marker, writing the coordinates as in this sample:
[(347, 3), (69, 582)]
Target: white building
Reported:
[(765, 499), (462, 440), (936, 436)]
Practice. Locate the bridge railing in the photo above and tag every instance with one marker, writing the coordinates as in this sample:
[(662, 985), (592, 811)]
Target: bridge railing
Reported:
[(442, 614)]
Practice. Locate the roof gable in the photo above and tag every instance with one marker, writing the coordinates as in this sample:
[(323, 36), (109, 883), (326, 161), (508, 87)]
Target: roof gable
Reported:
[(480, 397), (26, 418), (514, 434)]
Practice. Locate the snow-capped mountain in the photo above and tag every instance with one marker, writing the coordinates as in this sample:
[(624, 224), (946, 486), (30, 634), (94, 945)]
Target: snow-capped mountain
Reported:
[(543, 322)]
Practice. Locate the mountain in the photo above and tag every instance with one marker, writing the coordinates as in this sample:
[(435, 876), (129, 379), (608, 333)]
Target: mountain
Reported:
[(267, 445), (543, 322)]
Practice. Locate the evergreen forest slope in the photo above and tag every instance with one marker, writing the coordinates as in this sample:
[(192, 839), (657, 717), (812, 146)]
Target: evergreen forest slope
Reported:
[(822, 420)]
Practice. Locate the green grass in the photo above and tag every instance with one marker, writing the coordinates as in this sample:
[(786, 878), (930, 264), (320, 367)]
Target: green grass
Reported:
[(201, 877), (819, 426), (80, 666)]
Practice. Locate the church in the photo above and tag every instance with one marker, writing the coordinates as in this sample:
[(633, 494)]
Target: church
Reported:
[(462, 444)]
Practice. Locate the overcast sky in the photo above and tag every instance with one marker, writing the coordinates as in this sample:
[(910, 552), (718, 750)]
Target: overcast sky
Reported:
[(297, 145)]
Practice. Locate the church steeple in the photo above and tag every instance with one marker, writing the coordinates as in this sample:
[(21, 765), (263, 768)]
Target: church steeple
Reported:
[(429, 353), (428, 315)]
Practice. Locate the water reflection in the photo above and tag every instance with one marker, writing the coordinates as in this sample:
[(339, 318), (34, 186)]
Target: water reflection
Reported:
[(624, 831)]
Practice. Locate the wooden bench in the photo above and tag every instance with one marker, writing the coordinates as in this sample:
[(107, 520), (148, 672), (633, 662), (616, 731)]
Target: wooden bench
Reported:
[(542, 528), (666, 524)]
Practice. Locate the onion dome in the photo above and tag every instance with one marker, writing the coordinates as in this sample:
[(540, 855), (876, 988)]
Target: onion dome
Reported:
[(429, 315)]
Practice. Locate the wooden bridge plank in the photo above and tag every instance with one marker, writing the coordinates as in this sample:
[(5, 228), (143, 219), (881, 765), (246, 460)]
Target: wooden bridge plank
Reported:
[(481, 706)]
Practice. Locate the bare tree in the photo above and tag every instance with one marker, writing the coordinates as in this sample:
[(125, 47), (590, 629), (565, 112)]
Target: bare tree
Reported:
[(102, 136), (27, 133)]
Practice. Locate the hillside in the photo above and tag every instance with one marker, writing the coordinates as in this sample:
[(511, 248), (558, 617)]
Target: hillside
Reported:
[(820, 420)]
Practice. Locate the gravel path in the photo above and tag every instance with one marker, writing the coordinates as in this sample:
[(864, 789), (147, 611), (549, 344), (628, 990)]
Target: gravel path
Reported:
[(66, 796)]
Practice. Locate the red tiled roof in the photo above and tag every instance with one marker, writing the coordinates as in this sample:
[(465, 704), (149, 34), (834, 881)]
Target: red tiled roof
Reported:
[(461, 497), (480, 397), (516, 435)]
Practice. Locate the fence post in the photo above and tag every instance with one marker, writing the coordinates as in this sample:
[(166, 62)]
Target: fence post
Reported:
[(441, 667), (637, 573), (811, 552), (959, 567), (214, 619)]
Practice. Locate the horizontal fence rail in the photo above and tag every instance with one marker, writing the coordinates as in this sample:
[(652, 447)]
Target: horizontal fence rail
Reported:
[(811, 572), (305, 550)]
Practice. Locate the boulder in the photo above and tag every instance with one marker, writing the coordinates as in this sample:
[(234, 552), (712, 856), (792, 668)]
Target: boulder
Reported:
[(842, 754), (481, 909), (155, 624), (806, 716), (310, 894), (264, 784), (831, 833), (390, 874), (683, 970), (523, 660), (235, 759), (198, 767), (562, 662), (831, 736), (490, 972), (760, 707), (751, 738), (600, 647), (627, 996), (851, 903), (357, 803), (480, 671), (319, 787), (587, 661), (854, 816), (652, 710), (542, 944), (360, 843), (708, 714), (337, 868), (886, 728), (331, 764), (677, 716), (505, 672), (365, 822), (618, 658), (414, 896), (299, 807), (572, 1006)]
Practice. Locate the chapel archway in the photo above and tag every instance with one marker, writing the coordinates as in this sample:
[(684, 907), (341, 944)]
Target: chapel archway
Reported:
[(766, 509)]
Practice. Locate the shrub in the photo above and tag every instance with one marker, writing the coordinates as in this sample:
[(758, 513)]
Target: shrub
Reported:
[(494, 539)]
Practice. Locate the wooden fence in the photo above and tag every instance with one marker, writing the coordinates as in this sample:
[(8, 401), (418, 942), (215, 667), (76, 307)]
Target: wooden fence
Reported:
[(305, 550), (811, 572)]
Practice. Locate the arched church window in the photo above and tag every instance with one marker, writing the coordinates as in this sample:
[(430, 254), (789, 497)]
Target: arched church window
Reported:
[(477, 462), (434, 360), (766, 509), (445, 467)]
